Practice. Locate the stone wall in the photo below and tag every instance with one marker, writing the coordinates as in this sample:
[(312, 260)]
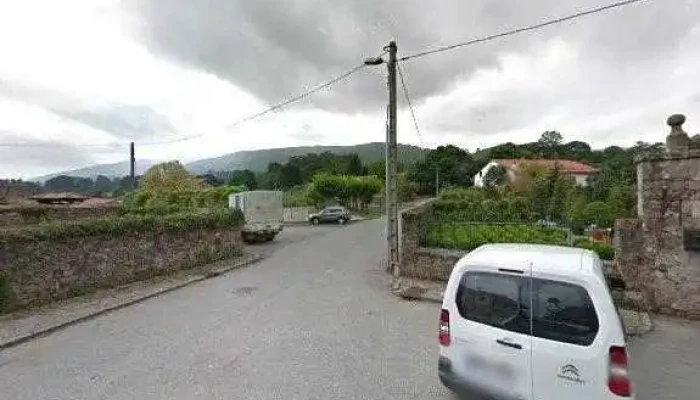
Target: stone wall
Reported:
[(18, 216), (416, 261), (651, 254), (45, 271)]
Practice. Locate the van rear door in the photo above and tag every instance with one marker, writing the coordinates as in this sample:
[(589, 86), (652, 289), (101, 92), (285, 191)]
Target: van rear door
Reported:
[(490, 348), (569, 358)]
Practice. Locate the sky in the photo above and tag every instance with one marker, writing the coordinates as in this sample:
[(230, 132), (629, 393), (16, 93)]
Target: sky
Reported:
[(80, 79)]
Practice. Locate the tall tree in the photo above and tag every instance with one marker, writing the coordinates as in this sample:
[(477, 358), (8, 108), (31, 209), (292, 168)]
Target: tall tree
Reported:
[(169, 177), (354, 165)]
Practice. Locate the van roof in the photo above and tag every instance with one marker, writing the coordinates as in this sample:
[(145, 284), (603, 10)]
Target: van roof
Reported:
[(544, 258)]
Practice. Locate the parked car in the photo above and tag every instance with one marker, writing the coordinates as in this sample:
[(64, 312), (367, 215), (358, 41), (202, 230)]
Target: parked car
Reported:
[(532, 322), (339, 215)]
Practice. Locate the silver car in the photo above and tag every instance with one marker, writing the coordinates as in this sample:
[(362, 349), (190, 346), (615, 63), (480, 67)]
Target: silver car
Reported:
[(336, 214)]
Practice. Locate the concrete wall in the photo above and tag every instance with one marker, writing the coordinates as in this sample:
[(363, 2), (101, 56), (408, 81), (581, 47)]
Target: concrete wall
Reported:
[(44, 271), (18, 216)]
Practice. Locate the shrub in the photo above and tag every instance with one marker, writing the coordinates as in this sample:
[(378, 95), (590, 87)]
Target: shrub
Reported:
[(126, 224), (471, 236), (605, 251)]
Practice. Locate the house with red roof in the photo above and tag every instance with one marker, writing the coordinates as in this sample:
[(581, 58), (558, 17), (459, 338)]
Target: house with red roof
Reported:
[(579, 171)]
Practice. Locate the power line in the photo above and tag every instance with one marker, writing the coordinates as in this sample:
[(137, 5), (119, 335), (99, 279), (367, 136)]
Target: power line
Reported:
[(272, 108), (410, 106), (524, 29)]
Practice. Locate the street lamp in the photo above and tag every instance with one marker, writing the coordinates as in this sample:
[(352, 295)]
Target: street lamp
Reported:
[(374, 61)]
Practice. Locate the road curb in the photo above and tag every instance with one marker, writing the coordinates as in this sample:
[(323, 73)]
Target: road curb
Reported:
[(252, 259), (415, 292)]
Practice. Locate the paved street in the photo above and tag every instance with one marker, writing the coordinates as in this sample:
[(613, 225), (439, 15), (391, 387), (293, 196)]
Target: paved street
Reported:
[(314, 320)]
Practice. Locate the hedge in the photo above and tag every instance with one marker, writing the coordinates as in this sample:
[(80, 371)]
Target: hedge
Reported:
[(123, 225), (605, 251), (471, 236)]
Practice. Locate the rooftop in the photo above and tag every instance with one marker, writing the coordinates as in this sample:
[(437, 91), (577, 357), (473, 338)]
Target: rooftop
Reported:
[(568, 166)]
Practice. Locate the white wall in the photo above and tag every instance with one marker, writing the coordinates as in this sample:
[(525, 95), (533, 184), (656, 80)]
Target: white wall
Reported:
[(479, 177), (581, 180)]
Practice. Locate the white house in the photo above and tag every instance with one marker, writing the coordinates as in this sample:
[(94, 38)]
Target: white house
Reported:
[(578, 170)]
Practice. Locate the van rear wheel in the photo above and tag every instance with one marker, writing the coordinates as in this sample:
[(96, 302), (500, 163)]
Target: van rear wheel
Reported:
[(315, 221), (342, 221)]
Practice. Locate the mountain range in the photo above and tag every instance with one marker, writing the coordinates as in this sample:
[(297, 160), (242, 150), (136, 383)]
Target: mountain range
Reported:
[(254, 160)]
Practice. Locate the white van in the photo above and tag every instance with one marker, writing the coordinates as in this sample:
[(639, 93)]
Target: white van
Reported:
[(532, 322)]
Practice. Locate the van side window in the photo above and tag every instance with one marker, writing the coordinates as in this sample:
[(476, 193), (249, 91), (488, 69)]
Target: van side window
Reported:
[(493, 299), (563, 312)]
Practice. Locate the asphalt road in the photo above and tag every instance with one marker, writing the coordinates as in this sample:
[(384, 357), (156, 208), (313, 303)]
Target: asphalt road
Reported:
[(315, 320)]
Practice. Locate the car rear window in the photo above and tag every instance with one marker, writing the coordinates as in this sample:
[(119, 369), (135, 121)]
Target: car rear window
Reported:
[(556, 311)]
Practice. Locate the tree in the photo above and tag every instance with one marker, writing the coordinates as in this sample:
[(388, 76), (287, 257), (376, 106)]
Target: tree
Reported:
[(599, 214), (622, 201), (61, 183), (168, 177), (103, 185), (456, 167), (377, 168), (290, 176), (211, 179), (496, 176), (551, 139), (354, 165), (244, 178)]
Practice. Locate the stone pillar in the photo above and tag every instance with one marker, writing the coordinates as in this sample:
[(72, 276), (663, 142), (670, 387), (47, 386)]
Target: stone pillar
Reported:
[(669, 206)]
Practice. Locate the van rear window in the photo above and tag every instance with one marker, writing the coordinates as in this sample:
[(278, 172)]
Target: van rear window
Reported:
[(546, 309)]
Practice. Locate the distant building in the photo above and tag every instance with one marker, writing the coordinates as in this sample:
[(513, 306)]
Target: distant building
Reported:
[(59, 198), (577, 170)]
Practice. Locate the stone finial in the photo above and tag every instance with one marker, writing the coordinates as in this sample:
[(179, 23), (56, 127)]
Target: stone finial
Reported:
[(677, 142), (676, 120)]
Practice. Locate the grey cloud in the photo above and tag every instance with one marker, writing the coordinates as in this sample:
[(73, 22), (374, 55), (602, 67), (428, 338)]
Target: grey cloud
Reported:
[(129, 121), (307, 135), (274, 48), (33, 155)]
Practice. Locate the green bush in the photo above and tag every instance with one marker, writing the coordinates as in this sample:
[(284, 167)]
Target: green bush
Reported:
[(126, 224), (143, 202), (471, 236), (605, 251)]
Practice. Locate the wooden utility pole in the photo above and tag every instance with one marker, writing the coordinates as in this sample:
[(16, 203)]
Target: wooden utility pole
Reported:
[(391, 165), (437, 181), (132, 166)]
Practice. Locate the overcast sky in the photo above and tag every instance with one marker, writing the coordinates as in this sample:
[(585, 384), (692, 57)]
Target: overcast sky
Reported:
[(79, 79)]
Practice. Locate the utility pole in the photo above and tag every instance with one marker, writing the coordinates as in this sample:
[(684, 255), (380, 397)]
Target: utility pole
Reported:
[(391, 162), (437, 181), (132, 165), (392, 218)]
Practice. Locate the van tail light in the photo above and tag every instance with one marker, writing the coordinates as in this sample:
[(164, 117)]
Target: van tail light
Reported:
[(618, 373), (444, 328)]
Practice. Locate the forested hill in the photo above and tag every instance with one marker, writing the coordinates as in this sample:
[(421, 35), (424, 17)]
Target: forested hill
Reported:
[(258, 160)]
